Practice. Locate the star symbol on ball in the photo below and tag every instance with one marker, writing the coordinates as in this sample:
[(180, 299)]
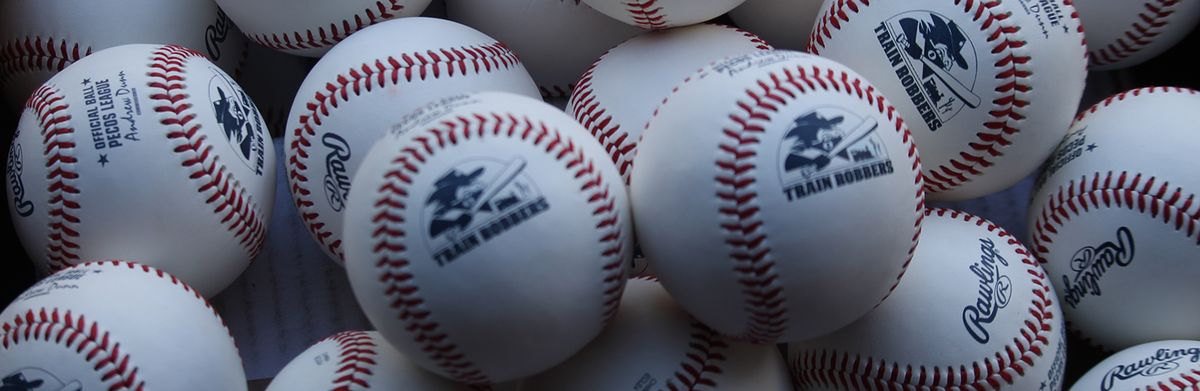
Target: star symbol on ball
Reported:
[(87, 81), (103, 160), (1092, 147)]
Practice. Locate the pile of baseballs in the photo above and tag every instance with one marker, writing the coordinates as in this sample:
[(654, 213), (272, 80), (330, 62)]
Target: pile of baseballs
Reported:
[(486, 178)]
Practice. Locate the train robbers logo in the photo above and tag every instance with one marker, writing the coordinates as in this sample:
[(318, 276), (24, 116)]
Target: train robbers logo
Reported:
[(828, 148), (35, 379), (477, 201), (935, 62), (239, 119)]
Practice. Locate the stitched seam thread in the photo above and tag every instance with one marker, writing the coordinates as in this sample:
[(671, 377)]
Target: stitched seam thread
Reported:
[(356, 360), (702, 363), (328, 35), (1140, 34), (646, 14), (58, 142), (38, 54)]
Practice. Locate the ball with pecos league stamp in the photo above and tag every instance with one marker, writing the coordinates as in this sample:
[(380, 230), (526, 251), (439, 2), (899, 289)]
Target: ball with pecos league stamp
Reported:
[(143, 152)]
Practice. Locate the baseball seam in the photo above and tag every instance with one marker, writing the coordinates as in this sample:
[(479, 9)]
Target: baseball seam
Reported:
[(58, 148), (702, 362), (762, 292), (646, 14), (38, 54), (1132, 94), (589, 110), (356, 360), (380, 73), (1011, 71), (326, 36), (237, 210), (1140, 33), (391, 242), (831, 368), (1183, 381)]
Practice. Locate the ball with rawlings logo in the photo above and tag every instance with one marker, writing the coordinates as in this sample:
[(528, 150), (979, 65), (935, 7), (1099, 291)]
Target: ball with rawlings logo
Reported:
[(988, 87), (361, 89), (1114, 219), (778, 196), (974, 312), (487, 237), (40, 38), (663, 14), (1162, 365), (654, 345), (311, 27), (115, 325), (143, 152), (1124, 33), (357, 360)]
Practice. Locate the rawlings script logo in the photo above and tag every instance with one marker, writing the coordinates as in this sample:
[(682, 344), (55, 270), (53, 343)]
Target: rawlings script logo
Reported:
[(1091, 263), (337, 181), (216, 34), (23, 206), (995, 289), (1163, 361)]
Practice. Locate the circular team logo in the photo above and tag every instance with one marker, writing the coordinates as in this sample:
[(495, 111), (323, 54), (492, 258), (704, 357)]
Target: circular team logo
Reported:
[(36, 379), (239, 120), (830, 147), (935, 61), (477, 201)]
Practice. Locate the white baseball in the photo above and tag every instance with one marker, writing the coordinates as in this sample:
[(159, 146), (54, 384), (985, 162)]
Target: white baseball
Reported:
[(654, 345), (311, 27), (784, 23), (143, 152), (556, 39), (663, 14), (616, 96), (1163, 365), (778, 196), (1124, 33), (974, 312), (39, 38), (988, 87), (1114, 219), (488, 237), (359, 91), (115, 325), (357, 360)]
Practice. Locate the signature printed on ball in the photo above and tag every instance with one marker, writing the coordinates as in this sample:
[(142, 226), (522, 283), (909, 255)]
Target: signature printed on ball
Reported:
[(935, 62), (995, 291), (337, 179), (23, 206), (828, 148), (109, 107), (1163, 361), (1090, 264)]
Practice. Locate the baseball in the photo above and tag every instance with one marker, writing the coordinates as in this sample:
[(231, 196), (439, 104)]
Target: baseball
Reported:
[(115, 325), (488, 237), (1164, 365), (617, 95), (988, 87), (311, 27), (357, 360), (143, 152), (778, 196), (974, 312), (39, 38), (654, 345), (1124, 33), (663, 14), (361, 89), (556, 39), (784, 23), (1114, 219)]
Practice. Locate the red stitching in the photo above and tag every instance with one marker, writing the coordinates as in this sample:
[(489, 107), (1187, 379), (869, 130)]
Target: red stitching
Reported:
[(1140, 34), (1128, 190), (763, 295), (702, 362), (356, 358), (328, 35), (556, 91), (1132, 94), (38, 54), (391, 242), (646, 15), (379, 73), (589, 111), (229, 199), (58, 138), (831, 368), (1183, 381), (1010, 70)]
